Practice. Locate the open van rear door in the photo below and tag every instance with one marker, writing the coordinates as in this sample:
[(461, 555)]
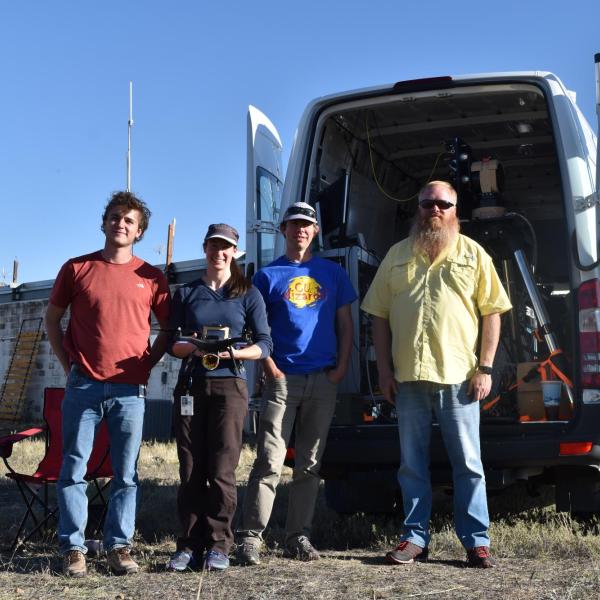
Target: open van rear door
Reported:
[(264, 184)]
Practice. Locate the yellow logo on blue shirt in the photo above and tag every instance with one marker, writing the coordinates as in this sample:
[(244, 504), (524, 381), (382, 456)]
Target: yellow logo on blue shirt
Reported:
[(304, 291)]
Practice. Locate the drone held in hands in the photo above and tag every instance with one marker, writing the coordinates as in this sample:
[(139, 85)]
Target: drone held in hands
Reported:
[(214, 340)]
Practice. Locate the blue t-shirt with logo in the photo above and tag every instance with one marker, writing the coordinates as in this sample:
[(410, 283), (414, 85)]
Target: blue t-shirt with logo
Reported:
[(302, 300)]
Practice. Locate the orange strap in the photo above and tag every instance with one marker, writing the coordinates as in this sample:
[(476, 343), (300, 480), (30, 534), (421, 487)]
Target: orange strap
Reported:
[(541, 369), (559, 374)]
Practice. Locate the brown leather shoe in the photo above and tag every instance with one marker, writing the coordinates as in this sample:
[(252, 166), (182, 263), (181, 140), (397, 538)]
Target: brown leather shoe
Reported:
[(120, 562), (480, 558), (405, 553), (74, 564)]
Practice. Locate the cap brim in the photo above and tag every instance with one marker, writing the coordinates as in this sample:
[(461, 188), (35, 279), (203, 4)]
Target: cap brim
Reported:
[(299, 218), (222, 237)]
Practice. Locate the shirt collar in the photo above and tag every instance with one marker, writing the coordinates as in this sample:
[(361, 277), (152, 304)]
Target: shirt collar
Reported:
[(450, 251)]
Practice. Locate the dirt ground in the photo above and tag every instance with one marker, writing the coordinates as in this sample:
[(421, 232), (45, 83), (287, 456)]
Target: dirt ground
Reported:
[(541, 554), (348, 575)]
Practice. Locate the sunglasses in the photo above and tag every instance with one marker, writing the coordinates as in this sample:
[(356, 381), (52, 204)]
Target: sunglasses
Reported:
[(441, 204)]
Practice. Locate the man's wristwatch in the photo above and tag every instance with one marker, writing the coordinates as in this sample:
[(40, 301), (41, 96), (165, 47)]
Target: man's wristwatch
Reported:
[(485, 369)]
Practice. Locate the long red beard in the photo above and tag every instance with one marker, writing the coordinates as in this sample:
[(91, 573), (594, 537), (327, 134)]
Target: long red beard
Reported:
[(431, 235)]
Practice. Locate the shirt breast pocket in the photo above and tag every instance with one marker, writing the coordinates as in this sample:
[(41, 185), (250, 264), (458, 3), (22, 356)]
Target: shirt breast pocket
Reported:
[(463, 277), (402, 276)]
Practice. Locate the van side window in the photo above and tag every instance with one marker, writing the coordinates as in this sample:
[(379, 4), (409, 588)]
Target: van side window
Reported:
[(269, 200)]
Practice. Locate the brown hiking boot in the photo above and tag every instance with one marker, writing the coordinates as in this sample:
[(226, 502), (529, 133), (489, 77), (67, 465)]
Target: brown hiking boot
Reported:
[(74, 564), (248, 554), (120, 562), (480, 558), (301, 549), (405, 553)]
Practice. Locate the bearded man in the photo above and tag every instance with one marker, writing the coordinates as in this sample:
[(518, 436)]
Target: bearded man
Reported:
[(427, 299)]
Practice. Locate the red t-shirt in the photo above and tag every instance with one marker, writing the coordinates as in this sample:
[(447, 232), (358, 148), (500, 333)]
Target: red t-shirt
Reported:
[(109, 327)]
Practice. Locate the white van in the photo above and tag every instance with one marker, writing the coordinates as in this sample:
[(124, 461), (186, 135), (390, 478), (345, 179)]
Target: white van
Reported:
[(523, 159)]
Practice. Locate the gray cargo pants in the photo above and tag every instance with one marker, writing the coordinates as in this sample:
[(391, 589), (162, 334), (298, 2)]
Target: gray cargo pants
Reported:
[(309, 400)]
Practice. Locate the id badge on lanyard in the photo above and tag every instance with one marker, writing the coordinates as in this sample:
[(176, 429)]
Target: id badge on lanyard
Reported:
[(187, 406)]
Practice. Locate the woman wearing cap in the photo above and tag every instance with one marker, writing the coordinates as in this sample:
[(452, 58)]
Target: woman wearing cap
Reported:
[(211, 400)]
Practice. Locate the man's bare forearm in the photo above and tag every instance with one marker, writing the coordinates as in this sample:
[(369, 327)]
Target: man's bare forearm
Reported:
[(55, 335), (159, 347), (490, 336), (344, 332), (480, 384)]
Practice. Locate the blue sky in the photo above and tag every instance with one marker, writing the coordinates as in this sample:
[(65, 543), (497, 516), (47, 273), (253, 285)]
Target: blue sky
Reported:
[(195, 67)]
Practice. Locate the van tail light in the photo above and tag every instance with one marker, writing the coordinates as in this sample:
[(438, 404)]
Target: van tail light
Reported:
[(575, 448), (589, 333)]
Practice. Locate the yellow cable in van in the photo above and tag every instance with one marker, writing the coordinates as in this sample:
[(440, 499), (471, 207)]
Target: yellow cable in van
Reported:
[(373, 166)]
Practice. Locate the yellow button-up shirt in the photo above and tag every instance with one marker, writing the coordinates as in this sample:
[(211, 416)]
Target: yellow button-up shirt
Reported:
[(433, 308)]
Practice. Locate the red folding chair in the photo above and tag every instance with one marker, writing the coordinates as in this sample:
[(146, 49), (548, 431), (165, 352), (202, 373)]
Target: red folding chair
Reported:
[(34, 488)]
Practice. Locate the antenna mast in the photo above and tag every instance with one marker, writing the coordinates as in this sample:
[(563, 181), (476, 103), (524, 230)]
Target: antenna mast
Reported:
[(129, 126)]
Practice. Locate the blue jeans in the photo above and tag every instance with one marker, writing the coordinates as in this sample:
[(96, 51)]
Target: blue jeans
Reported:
[(458, 418), (85, 404)]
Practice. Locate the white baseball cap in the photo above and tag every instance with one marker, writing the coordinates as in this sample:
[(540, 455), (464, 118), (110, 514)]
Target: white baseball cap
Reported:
[(300, 210)]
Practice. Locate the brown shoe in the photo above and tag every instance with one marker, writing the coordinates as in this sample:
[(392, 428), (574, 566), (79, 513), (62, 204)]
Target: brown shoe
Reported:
[(480, 558), (405, 553), (301, 549), (74, 564), (120, 562)]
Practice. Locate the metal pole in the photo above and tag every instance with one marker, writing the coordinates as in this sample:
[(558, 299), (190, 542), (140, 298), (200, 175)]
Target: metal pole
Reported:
[(538, 307), (15, 271), (346, 199), (129, 126), (536, 300), (597, 63)]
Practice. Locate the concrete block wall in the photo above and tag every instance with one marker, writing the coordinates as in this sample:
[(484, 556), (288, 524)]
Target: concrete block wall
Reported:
[(47, 371)]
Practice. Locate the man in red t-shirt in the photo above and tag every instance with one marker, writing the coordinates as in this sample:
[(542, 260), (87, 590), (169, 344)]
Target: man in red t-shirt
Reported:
[(107, 358)]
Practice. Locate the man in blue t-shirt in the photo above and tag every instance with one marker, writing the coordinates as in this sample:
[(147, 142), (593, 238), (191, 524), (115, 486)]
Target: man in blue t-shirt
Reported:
[(308, 302)]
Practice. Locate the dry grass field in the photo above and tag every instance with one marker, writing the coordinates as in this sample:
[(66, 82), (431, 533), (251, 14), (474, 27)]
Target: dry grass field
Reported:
[(541, 554)]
